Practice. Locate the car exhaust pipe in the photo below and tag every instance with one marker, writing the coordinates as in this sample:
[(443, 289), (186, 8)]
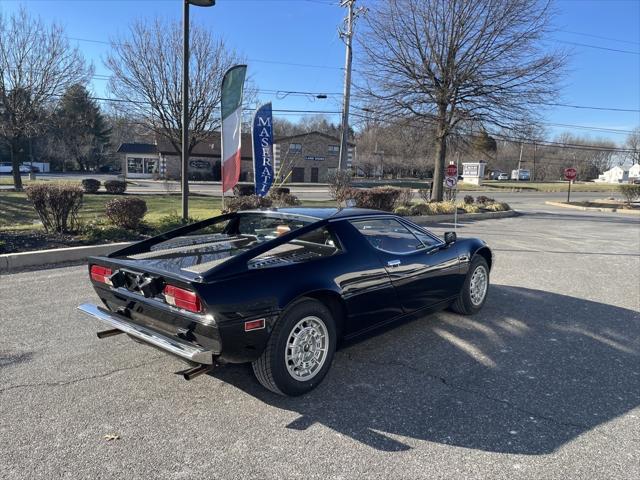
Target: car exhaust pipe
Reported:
[(109, 333), (192, 373)]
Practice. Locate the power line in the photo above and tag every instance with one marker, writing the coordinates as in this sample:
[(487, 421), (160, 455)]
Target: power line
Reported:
[(600, 37), (597, 47)]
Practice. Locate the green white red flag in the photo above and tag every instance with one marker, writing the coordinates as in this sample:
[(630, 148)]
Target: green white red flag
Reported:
[(231, 102)]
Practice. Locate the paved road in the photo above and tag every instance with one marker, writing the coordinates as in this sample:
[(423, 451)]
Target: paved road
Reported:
[(543, 383), (522, 200)]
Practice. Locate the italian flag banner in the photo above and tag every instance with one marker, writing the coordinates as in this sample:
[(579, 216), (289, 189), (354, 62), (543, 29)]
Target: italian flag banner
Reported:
[(232, 87)]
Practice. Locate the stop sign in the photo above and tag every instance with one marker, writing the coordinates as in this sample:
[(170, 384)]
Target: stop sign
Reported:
[(570, 173), (452, 170)]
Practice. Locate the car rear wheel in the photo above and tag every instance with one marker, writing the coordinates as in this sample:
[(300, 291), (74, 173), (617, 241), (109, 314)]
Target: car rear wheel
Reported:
[(475, 289), (300, 349)]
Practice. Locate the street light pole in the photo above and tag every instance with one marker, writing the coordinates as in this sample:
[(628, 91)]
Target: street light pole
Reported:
[(185, 100)]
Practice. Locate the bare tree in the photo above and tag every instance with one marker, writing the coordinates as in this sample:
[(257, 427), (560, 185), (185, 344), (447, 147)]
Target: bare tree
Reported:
[(147, 78), (632, 143), (37, 64), (452, 61)]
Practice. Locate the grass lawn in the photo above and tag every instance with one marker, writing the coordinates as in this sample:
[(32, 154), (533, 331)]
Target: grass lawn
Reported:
[(17, 213)]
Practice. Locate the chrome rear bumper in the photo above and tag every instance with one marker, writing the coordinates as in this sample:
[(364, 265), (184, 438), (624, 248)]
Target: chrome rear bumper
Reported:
[(168, 344)]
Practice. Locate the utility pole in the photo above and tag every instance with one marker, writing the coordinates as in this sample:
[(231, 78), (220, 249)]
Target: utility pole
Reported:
[(185, 112), (519, 163), (185, 100), (348, 38)]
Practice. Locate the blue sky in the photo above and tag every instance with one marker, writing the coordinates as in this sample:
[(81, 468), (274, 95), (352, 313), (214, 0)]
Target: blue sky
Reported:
[(305, 32)]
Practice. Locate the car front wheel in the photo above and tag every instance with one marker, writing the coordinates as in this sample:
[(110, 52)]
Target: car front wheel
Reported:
[(300, 350), (475, 289)]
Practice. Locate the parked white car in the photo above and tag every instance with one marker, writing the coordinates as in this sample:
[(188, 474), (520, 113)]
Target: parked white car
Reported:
[(503, 176)]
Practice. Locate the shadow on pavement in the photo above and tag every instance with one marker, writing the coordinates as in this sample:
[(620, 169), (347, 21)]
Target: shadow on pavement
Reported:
[(528, 374)]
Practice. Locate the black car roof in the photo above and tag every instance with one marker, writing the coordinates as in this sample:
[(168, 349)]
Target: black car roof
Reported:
[(325, 212)]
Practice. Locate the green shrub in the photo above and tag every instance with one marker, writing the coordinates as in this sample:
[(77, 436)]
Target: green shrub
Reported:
[(56, 204), (286, 200), (116, 187), (247, 203), (405, 197), (497, 207), (97, 233), (171, 222), (469, 207), (433, 208), (403, 210), (629, 191), (378, 198), (339, 185), (484, 200), (126, 212), (468, 199), (276, 192), (244, 190), (425, 194), (90, 185)]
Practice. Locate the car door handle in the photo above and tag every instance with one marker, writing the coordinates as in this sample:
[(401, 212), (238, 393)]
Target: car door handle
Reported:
[(393, 263)]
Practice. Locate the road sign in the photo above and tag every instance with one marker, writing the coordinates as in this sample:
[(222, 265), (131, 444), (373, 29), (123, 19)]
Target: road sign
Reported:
[(451, 182), (570, 173), (452, 170)]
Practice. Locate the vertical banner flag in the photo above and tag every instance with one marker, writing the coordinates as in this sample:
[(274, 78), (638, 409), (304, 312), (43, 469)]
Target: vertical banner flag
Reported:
[(231, 102), (263, 149)]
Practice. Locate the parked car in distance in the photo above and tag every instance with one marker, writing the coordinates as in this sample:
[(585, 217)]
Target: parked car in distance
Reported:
[(521, 175), (6, 167), (281, 288), (503, 176)]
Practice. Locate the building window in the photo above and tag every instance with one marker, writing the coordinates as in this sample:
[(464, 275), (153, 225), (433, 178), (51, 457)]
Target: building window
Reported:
[(142, 165), (295, 147), (334, 149)]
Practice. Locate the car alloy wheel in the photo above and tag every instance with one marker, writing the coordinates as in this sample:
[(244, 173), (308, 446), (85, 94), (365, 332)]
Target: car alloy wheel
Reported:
[(478, 285), (306, 348)]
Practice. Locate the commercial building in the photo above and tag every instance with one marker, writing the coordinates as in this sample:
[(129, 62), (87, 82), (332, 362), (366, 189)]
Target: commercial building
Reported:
[(308, 157)]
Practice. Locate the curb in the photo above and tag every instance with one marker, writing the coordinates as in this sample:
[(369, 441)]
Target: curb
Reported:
[(594, 209), (11, 262), (430, 219)]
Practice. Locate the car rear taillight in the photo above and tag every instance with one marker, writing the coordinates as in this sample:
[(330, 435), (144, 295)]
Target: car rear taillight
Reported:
[(182, 298), (101, 274)]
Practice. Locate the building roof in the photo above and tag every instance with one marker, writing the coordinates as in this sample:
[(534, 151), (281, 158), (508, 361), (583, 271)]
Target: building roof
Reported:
[(211, 147), (148, 148), (301, 135)]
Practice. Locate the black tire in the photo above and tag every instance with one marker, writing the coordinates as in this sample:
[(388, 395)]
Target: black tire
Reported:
[(271, 368), (464, 304)]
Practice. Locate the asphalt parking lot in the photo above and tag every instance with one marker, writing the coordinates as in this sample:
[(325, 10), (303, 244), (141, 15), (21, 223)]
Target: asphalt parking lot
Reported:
[(543, 383)]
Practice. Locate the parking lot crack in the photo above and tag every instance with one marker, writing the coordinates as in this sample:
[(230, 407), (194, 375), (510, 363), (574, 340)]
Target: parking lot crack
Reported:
[(65, 383)]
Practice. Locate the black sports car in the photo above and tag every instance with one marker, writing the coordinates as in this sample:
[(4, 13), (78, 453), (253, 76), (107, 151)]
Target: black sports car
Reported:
[(281, 288)]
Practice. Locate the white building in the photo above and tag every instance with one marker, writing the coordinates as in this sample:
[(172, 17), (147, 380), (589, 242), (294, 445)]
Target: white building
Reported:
[(634, 171), (615, 175)]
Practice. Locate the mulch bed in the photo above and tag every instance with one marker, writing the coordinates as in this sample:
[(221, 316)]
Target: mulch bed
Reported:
[(29, 240)]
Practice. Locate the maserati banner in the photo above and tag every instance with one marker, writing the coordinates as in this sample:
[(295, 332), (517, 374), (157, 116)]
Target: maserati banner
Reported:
[(232, 87), (263, 149)]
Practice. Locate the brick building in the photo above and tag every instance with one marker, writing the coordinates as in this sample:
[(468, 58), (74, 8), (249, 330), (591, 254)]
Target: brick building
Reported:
[(308, 157)]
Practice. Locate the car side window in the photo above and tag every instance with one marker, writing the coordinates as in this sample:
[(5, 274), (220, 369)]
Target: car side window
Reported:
[(426, 239), (389, 235)]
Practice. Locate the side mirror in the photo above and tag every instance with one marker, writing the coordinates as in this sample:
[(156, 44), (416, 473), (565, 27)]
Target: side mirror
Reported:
[(449, 238)]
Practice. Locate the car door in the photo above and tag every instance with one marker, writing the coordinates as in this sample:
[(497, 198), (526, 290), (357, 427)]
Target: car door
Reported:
[(423, 270)]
